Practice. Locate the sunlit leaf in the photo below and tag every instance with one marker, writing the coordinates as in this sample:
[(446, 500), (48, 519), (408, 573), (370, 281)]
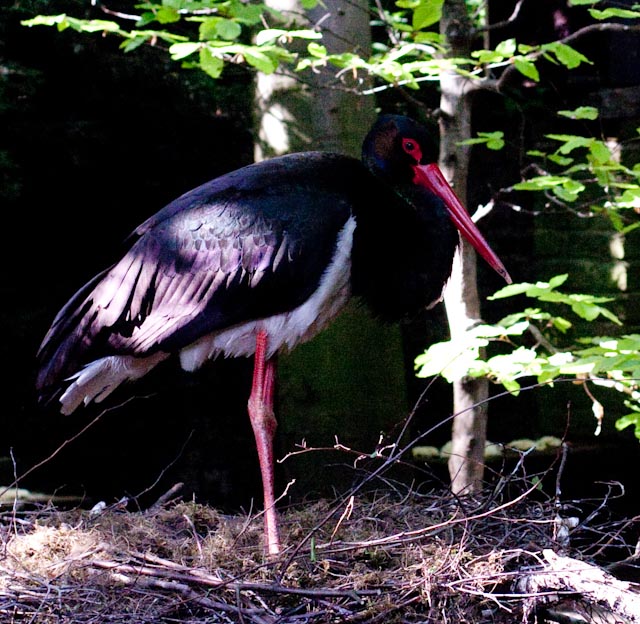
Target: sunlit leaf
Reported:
[(182, 50), (567, 55), (506, 47), (487, 56), (613, 12), (228, 29), (245, 12), (131, 44), (212, 65), (526, 68), (582, 112), (563, 161), (629, 199), (570, 141), (317, 50), (427, 13), (629, 420), (540, 183), (262, 62), (493, 140), (600, 152), (270, 34), (167, 15)]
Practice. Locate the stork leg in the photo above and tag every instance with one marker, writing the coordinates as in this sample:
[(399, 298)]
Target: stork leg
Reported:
[(264, 426)]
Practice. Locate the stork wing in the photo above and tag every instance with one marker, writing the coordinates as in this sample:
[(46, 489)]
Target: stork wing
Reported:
[(242, 247)]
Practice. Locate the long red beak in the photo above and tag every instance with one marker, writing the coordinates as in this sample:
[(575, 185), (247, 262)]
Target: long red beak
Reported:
[(431, 178)]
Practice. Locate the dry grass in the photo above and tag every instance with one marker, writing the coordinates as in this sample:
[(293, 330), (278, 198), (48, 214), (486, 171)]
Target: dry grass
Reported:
[(394, 555)]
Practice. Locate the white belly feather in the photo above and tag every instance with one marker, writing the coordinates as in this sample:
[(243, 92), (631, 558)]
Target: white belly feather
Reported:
[(288, 329)]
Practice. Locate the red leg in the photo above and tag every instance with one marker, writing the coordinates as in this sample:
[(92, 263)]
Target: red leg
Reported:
[(264, 426)]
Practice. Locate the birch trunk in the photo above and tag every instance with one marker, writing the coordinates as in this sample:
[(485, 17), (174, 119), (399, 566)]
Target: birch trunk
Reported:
[(466, 463)]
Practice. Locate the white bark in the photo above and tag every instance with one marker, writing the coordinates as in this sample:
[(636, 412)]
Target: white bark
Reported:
[(466, 463)]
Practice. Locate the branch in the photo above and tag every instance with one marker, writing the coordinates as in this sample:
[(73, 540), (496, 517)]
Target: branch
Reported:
[(510, 20), (578, 34), (565, 574)]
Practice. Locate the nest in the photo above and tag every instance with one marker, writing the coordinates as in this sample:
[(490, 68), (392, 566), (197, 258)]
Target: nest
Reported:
[(391, 555)]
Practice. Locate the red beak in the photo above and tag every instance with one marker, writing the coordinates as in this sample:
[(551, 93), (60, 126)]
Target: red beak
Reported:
[(430, 177)]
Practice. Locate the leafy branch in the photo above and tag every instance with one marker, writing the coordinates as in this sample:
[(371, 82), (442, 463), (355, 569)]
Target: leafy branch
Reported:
[(530, 344), (209, 34)]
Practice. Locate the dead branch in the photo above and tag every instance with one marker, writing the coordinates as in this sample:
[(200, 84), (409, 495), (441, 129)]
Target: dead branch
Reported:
[(565, 574)]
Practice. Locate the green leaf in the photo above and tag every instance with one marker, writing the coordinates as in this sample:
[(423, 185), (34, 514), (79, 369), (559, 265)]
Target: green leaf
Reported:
[(531, 290), (428, 37), (570, 141), (600, 152), (582, 112), (493, 140), (146, 17), (181, 50), (63, 22), (506, 47), (569, 190), (487, 56), (569, 57), (563, 161), (228, 29), (246, 13), (561, 324), (167, 15), (207, 31), (526, 68), (427, 13), (44, 20), (629, 420), (307, 5), (212, 65), (261, 61), (541, 183), (131, 44), (612, 12), (555, 281), (317, 50), (629, 199)]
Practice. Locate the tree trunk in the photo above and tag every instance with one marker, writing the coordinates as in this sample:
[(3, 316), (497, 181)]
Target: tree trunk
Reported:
[(321, 112), (348, 383), (466, 463)]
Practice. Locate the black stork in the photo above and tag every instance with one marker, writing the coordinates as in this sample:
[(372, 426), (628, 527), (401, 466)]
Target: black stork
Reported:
[(259, 260)]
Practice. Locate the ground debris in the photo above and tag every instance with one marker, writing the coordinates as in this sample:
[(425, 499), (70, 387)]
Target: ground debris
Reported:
[(396, 555)]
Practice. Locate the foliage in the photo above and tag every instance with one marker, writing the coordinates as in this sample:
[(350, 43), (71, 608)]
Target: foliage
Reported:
[(215, 36), (208, 34), (587, 173), (533, 343)]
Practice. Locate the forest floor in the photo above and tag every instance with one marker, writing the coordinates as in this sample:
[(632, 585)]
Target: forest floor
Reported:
[(394, 554)]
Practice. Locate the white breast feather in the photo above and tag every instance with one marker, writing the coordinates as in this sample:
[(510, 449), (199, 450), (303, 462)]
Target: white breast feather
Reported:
[(288, 329)]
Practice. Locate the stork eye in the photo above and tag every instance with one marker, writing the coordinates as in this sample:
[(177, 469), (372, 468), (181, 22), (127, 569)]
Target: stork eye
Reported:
[(412, 148)]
